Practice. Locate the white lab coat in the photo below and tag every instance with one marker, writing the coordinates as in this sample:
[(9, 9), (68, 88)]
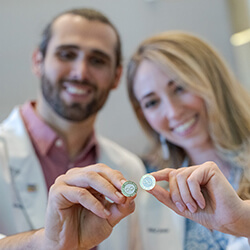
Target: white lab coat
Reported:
[(22, 208)]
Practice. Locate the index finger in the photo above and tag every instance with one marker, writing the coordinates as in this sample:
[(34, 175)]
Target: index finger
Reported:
[(162, 175), (99, 177)]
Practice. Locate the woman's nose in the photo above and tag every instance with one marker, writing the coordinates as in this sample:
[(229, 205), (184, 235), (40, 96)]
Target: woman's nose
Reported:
[(173, 109)]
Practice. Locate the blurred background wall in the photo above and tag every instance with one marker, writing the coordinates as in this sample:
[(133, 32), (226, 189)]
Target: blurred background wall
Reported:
[(21, 23)]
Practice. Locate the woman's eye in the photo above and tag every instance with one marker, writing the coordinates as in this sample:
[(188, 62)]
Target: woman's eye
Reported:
[(179, 89), (150, 104)]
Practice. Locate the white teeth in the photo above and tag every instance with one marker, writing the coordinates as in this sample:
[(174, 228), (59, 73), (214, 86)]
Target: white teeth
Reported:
[(75, 90), (182, 128)]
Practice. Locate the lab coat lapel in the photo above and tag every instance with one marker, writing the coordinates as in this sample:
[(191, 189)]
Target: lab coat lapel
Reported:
[(26, 172)]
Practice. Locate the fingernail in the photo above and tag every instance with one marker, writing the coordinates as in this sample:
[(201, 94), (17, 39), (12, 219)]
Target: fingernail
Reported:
[(201, 205), (122, 181), (118, 194), (107, 212), (180, 206), (191, 208)]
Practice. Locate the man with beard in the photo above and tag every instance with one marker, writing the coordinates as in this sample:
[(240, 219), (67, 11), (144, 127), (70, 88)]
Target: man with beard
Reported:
[(78, 62)]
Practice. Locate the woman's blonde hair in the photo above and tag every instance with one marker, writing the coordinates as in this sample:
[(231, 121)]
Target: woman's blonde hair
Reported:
[(200, 69)]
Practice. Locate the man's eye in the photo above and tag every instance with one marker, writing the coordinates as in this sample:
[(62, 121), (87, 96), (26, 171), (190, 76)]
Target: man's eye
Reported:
[(150, 104), (66, 55), (96, 61)]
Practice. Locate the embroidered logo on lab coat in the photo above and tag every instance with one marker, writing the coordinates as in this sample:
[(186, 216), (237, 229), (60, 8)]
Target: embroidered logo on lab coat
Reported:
[(31, 188)]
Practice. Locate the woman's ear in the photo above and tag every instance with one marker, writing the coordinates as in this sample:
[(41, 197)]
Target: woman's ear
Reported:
[(37, 62)]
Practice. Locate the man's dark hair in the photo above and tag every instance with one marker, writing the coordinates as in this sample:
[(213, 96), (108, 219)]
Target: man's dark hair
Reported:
[(89, 14)]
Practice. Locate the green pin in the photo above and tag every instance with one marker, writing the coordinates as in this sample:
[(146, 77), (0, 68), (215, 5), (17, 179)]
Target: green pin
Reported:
[(129, 188)]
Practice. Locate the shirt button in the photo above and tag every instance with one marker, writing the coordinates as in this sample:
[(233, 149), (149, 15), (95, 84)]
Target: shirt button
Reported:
[(59, 143)]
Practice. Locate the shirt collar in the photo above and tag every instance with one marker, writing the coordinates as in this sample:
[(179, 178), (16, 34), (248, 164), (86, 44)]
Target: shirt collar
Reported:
[(41, 134), (45, 137)]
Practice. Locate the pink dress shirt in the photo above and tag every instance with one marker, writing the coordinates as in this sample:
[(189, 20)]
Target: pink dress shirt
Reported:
[(51, 149)]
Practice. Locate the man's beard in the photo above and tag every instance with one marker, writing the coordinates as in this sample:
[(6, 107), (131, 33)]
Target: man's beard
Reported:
[(74, 112)]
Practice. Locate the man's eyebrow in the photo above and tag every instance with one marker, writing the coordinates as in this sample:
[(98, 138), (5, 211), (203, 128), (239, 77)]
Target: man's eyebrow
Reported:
[(68, 46), (102, 54)]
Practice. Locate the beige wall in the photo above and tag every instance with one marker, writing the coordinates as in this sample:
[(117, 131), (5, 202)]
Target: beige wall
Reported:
[(240, 21)]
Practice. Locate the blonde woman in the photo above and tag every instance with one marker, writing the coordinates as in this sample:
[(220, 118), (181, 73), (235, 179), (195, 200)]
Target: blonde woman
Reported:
[(194, 110)]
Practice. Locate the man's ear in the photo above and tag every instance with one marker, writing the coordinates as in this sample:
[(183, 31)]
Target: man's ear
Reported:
[(37, 62), (118, 75)]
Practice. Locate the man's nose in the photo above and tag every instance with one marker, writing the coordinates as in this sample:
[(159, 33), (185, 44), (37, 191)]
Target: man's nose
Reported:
[(80, 70)]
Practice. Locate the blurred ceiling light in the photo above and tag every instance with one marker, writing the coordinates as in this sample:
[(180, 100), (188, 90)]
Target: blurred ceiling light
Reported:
[(240, 38)]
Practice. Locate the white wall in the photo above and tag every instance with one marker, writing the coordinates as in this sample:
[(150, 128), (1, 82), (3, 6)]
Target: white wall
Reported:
[(240, 19), (21, 22)]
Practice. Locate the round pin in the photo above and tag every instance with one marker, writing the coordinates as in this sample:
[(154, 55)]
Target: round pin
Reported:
[(129, 188), (147, 182)]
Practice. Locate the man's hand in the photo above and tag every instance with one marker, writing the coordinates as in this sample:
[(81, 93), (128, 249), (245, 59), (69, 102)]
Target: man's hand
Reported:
[(78, 214)]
